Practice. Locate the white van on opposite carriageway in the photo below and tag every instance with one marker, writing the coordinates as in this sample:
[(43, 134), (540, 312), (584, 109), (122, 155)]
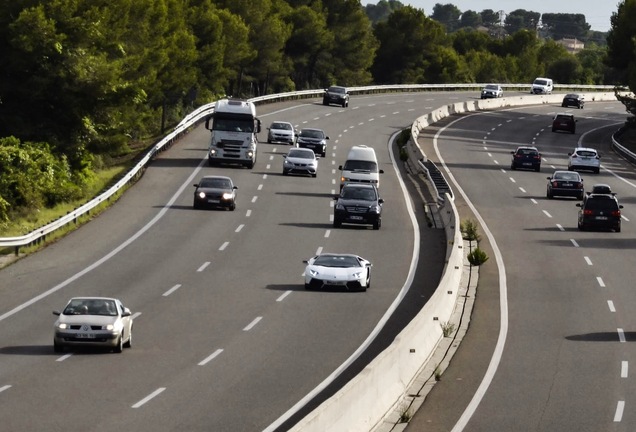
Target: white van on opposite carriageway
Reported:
[(361, 167)]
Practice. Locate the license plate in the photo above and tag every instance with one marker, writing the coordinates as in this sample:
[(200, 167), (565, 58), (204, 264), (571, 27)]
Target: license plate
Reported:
[(86, 336), (213, 201), (601, 218), (567, 184), (335, 282), (527, 163), (356, 217)]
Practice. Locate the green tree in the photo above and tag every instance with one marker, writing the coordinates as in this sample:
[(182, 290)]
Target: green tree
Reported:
[(381, 11), (410, 44), (562, 25), (521, 19), (621, 43), (470, 19), (448, 15), (490, 18), (566, 69), (465, 40)]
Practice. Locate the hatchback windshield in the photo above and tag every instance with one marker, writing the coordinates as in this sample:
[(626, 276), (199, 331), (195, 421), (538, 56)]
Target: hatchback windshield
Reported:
[(301, 154)]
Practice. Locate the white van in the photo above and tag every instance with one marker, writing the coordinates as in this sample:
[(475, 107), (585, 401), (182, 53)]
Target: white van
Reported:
[(361, 167), (542, 86)]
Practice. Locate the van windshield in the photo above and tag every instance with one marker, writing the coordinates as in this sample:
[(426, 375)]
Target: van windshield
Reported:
[(541, 82), (359, 165)]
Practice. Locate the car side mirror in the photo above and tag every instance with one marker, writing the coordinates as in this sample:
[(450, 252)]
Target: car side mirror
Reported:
[(512, 152), (235, 187), (381, 201), (335, 198), (196, 185), (327, 137), (549, 178), (620, 206), (381, 171), (340, 167), (306, 261), (569, 154), (126, 312), (56, 313)]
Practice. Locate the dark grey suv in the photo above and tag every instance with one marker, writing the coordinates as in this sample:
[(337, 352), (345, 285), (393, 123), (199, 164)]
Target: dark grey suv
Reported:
[(336, 95), (358, 203), (600, 211)]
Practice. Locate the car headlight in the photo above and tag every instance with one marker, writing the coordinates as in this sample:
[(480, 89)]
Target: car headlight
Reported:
[(201, 194), (63, 326), (227, 196), (286, 162), (110, 327), (357, 275), (340, 206), (375, 208), (313, 273), (212, 152), (250, 153)]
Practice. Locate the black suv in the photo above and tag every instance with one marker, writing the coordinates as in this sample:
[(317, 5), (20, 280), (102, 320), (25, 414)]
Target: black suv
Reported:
[(336, 95), (526, 157), (600, 211), (358, 204)]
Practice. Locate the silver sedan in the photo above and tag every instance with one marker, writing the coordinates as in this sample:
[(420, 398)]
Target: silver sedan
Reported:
[(95, 322)]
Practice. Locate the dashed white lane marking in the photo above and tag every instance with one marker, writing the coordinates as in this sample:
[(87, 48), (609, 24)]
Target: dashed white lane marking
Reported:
[(600, 281), (64, 357), (588, 260), (171, 290), (574, 243), (327, 233), (251, 325), (496, 162), (260, 187), (285, 294), (203, 266), (513, 180), (621, 335), (560, 227), (224, 245), (545, 212), (618, 415), (264, 176), (624, 369), (239, 228), (319, 250), (534, 201), (254, 198), (3, 388), (149, 397), (248, 213), (268, 166), (210, 357), (522, 189), (610, 304)]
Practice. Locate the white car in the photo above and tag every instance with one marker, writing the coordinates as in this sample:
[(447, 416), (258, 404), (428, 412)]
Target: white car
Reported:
[(583, 158), (95, 322), (280, 131), (300, 161), (491, 91), (332, 271)]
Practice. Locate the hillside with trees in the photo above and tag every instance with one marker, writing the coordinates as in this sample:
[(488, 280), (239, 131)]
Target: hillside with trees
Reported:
[(84, 82)]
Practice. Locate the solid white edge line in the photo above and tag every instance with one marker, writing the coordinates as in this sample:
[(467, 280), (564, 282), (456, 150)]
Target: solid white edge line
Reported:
[(114, 252), (374, 333), (149, 397), (210, 357), (503, 297)]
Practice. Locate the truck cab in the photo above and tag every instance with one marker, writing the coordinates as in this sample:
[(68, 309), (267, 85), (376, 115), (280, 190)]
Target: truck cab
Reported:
[(234, 127)]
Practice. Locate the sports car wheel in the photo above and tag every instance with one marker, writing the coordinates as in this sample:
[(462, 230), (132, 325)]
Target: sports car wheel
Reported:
[(307, 287)]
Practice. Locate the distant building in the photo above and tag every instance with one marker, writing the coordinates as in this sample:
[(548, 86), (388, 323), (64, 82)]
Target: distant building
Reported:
[(572, 45)]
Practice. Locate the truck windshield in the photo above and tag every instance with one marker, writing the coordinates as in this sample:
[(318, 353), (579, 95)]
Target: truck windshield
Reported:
[(233, 125)]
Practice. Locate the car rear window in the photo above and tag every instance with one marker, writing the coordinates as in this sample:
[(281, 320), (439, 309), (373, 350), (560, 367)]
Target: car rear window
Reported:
[(601, 204), (586, 153), (527, 152), (563, 117)]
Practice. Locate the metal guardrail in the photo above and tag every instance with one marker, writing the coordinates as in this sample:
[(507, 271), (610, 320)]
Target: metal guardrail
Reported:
[(200, 113)]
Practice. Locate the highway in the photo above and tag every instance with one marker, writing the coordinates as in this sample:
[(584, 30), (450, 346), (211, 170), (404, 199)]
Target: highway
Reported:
[(550, 342), (225, 336)]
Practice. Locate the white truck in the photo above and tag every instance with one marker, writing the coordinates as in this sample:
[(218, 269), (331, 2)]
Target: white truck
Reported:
[(234, 126)]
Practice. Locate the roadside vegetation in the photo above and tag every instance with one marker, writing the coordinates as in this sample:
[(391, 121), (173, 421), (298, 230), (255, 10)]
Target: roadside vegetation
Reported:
[(88, 84)]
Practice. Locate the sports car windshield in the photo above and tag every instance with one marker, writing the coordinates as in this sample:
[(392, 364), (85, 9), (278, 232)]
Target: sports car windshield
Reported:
[(336, 261)]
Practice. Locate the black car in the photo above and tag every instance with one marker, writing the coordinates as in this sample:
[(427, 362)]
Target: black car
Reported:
[(314, 139), (336, 95), (565, 183), (573, 99), (564, 122), (358, 204), (526, 157), (215, 191), (600, 211)]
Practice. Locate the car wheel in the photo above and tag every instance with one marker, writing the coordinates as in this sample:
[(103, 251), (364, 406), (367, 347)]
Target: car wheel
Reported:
[(195, 206), (368, 278), (323, 154), (120, 345), (513, 167), (580, 197), (617, 228), (538, 169), (549, 194), (553, 129), (324, 102), (337, 223), (128, 343), (314, 175), (58, 348), (250, 165), (307, 286), (233, 206), (377, 224), (210, 163), (285, 172), (596, 170)]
